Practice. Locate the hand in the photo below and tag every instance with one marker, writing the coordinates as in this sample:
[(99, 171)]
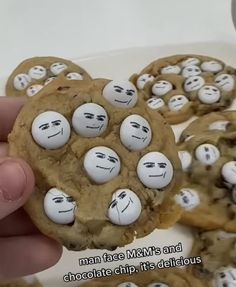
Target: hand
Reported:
[(23, 249)]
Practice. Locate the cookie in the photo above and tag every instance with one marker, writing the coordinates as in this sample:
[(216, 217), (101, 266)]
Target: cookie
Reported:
[(169, 277), (27, 281), (184, 85), (35, 73), (106, 167)]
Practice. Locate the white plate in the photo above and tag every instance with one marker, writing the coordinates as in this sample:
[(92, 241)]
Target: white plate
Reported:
[(121, 64)]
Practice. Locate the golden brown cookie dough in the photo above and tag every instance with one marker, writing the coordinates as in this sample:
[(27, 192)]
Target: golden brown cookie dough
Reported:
[(35, 73), (64, 167), (28, 281), (172, 277)]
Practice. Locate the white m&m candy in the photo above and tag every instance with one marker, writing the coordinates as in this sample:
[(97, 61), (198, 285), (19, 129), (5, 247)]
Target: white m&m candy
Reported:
[(171, 69), (74, 76), (50, 130), (185, 158), (225, 276), (225, 82), (207, 154), (209, 95), (191, 70), (161, 88), (193, 83), (177, 102), (125, 207), (228, 172), (190, 62), (21, 82), (57, 68), (211, 66), (143, 79), (37, 72), (33, 90), (187, 198), (155, 103)]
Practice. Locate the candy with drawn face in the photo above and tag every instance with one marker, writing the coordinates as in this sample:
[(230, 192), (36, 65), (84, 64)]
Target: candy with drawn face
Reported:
[(177, 102), (50, 130), (49, 80), (187, 198), (185, 158), (228, 172), (59, 206), (135, 132), (125, 207), (90, 120), (37, 72), (207, 154), (57, 68), (225, 82), (157, 284), (121, 94), (161, 88), (33, 90), (102, 164), (191, 70), (143, 79), (219, 125), (171, 69), (74, 76), (209, 94), (155, 103), (211, 66), (155, 170), (225, 277), (190, 62), (127, 284), (193, 83), (21, 81)]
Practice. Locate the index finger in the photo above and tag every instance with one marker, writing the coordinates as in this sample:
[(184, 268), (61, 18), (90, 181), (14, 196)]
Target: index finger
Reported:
[(9, 109)]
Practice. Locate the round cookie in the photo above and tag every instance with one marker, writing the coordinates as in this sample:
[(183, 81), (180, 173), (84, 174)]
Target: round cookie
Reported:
[(34, 74), (95, 178)]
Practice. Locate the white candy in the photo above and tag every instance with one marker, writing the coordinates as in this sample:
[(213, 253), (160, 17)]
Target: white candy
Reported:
[(228, 172), (121, 94), (50, 130), (190, 62), (49, 80), (171, 69), (102, 164), (209, 95), (155, 170), (219, 125), (21, 81), (193, 83), (225, 82), (59, 206), (143, 79), (185, 158), (74, 76), (127, 284), (225, 276), (211, 66), (37, 72), (57, 68), (161, 88), (177, 102), (125, 207), (135, 132), (33, 90), (90, 120), (190, 71), (187, 198), (155, 103), (207, 154)]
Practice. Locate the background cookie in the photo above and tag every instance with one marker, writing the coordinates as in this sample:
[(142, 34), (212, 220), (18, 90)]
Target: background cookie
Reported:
[(96, 185), (33, 74)]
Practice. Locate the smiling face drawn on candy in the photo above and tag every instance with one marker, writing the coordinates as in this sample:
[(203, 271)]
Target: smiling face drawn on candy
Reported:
[(21, 81), (225, 277), (170, 69), (102, 164), (143, 79), (127, 284), (122, 94), (193, 83), (90, 120), (177, 102), (209, 95), (74, 76), (190, 71), (37, 72), (155, 103), (49, 80), (185, 158), (219, 125), (207, 154), (155, 170), (211, 66), (59, 206), (125, 207), (57, 68), (187, 198), (161, 88), (190, 62), (135, 132), (225, 82), (50, 130), (228, 172), (33, 90)]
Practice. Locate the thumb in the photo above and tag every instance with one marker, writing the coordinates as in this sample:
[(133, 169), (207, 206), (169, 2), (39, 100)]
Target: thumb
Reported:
[(16, 184)]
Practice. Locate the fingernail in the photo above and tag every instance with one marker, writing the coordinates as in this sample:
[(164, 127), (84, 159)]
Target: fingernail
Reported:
[(12, 180)]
